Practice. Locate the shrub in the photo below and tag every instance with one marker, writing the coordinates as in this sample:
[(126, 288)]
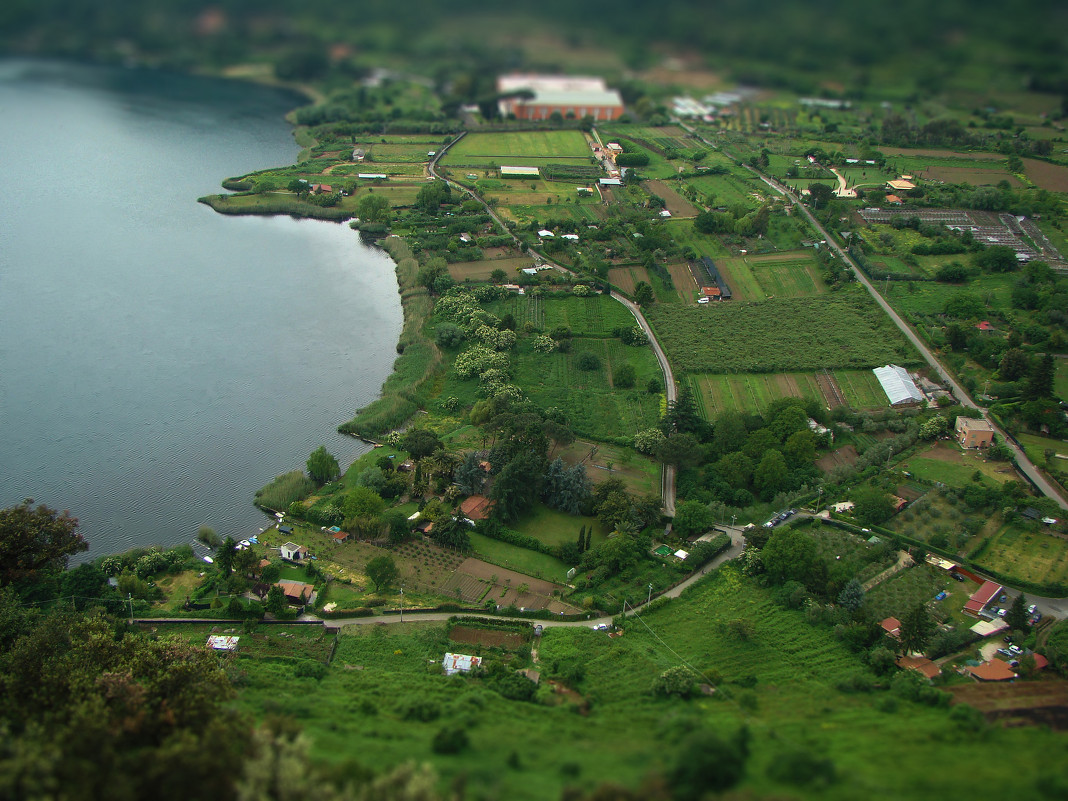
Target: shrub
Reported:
[(306, 669), (587, 361)]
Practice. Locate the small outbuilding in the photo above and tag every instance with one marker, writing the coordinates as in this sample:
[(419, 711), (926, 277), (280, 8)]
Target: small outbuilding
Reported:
[(297, 593), (477, 507), (892, 627), (293, 552), (460, 663), (994, 670)]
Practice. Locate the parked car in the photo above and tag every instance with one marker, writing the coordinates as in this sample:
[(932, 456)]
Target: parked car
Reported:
[(1002, 612), (599, 627), (1037, 616), (957, 576), (1016, 650), (1032, 609)]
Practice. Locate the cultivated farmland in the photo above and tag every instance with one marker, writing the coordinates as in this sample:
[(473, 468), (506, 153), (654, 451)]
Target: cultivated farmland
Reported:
[(752, 392), (843, 330), (520, 148)]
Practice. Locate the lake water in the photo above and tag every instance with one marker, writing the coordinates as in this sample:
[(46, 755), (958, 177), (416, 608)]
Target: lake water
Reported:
[(160, 362)]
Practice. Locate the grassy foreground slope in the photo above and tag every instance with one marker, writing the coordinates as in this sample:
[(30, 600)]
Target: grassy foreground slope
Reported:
[(383, 701)]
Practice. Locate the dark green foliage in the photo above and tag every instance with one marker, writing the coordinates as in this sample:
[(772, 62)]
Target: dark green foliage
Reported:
[(852, 595), (705, 763), (35, 540), (692, 518), (450, 739), (382, 570), (679, 682), (1017, 616), (420, 442), (566, 488), (872, 505), (624, 376), (306, 669), (587, 361), (322, 466), (799, 766), (916, 629), (790, 555)]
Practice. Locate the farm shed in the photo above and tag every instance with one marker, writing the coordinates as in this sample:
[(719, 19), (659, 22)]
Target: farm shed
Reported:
[(974, 433), (981, 597), (898, 385), (293, 552), (519, 172), (373, 176), (900, 185), (984, 628), (460, 663), (892, 626)]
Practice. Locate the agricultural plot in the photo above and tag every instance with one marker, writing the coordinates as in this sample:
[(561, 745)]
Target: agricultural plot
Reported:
[(1026, 552), (519, 148), (595, 408), (786, 275), (626, 277), (603, 461), (948, 463), (398, 152), (754, 391), (480, 270), (929, 297), (1052, 177), (968, 175), (843, 331), (676, 203), (723, 190), (592, 317)]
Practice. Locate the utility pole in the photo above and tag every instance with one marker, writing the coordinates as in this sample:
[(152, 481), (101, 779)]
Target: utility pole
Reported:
[(733, 518), (650, 598), (129, 600), (402, 605)]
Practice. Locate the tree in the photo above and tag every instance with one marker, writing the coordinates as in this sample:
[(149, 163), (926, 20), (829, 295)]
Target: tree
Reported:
[(643, 293), (35, 540), (566, 488), (276, 600), (224, 556), (1014, 365), (1017, 616), (707, 764), (681, 450), (800, 448), (207, 536), (322, 466), (1040, 381), (419, 442), (997, 259), (469, 474), (852, 595), (362, 502), (821, 195), (382, 570), (373, 208), (790, 555), (587, 361), (956, 337), (771, 474), (624, 376), (678, 681), (499, 276), (872, 505), (916, 629), (692, 517), (934, 427)]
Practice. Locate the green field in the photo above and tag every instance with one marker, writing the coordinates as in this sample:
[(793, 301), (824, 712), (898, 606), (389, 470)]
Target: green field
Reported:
[(594, 316), (949, 463), (554, 527), (786, 275), (842, 330), (383, 698), (519, 148), (1027, 551), (522, 560)]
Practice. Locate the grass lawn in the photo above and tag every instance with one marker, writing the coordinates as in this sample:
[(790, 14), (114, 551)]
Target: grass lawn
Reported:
[(906, 590), (522, 560), (947, 462), (516, 148), (1028, 551), (555, 528), (640, 473)]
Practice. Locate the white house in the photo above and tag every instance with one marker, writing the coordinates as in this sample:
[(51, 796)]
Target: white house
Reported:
[(294, 553)]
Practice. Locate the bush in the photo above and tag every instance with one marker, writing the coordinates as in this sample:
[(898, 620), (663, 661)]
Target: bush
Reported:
[(451, 739), (587, 361), (678, 681), (306, 669)]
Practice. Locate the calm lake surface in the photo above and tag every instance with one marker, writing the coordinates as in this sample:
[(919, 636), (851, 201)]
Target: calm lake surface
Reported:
[(160, 362)]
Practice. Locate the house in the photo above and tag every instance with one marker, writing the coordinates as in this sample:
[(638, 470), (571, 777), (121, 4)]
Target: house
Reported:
[(294, 553), (339, 537), (986, 593), (920, 664), (899, 503), (477, 507), (711, 292), (974, 433), (892, 627), (994, 670), (843, 507), (460, 663), (985, 628), (322, 188), (900, 185), (894, 200), (937, 561), (984, 325), (297, 592)]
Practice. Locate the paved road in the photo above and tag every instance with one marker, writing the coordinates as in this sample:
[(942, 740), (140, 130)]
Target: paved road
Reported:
[(1026, 466), (668, 478)]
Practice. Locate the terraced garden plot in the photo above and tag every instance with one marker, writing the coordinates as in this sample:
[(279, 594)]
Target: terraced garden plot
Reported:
[(861, 389), (593, 316), (750, 392), (740, 278), (682, 279), (397, 152), (480, 270)]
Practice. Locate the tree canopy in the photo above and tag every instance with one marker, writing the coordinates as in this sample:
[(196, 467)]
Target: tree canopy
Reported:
[(322, 466), (36, 540)]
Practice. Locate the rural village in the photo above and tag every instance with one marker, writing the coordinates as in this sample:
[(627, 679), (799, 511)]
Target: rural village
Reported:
[(716, 407)]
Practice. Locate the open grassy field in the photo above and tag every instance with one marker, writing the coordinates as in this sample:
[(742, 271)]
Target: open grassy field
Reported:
[(969, 175), (640, 473), (949, 463), (519, 148), (676, 203), (594, 316), (844, 330), (772, 275), (522, 560), (383, 695), (554, 527), (626, 277), (480, 270), (930, 297), (1028, 551)]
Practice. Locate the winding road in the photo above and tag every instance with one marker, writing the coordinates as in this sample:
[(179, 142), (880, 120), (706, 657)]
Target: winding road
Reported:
[(668, 475)]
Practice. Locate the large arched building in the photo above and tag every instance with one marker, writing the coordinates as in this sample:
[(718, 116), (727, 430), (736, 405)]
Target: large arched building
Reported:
[(572, 97)]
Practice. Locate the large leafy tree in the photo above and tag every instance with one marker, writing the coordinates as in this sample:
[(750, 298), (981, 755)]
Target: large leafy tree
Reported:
[(382, 570), (420, 442), (692, 517), (35, 540), (88, 714), (322, 466)]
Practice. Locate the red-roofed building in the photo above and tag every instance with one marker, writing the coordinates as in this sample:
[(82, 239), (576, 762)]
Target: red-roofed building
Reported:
[(985, 326), (994, 670), (894, 200), (341, 536), (477, 507), (711, 292), (1040, 662), (920, 664), (981, 597), (892, 626), (297, 592)]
